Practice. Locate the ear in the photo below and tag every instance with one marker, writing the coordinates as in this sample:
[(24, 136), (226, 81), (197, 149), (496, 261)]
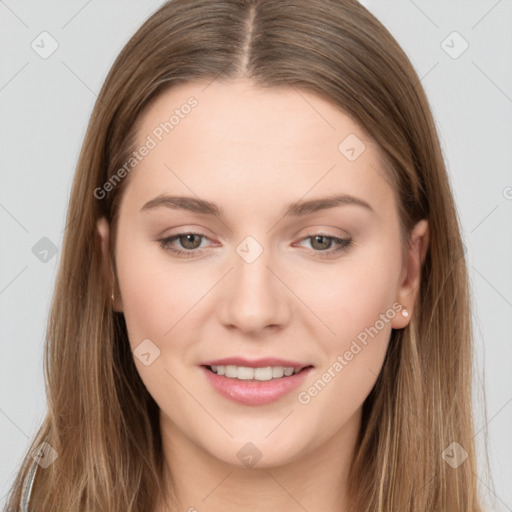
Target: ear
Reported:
[(103, 231), (411, 272)]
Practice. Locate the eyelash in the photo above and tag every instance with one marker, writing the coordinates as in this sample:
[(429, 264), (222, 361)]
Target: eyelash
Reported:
[(343, 245)]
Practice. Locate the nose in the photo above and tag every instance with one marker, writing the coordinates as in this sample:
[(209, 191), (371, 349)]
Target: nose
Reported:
[(255, 297)]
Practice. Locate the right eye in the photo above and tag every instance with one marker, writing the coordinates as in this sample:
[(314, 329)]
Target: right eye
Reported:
[(188, 240)]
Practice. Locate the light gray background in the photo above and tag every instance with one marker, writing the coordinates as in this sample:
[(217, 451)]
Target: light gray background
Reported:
[(45, 106)]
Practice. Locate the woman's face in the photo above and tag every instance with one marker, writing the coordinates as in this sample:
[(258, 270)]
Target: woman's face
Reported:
[(272, 271)]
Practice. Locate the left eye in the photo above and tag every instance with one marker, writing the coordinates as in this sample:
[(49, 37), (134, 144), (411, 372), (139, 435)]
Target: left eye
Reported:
[(326, 242)]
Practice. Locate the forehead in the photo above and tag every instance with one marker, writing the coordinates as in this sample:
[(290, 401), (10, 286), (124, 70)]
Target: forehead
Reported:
[(228, 112), (262, 142)]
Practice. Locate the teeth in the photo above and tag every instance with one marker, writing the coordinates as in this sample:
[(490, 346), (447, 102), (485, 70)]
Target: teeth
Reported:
[(246, 373), (277, 372)]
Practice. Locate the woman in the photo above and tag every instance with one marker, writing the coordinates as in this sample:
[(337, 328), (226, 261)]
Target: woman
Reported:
[(262, 300)]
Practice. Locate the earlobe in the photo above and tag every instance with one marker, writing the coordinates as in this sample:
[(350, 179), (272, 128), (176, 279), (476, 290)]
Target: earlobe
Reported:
[(409, 287), (103, 230)]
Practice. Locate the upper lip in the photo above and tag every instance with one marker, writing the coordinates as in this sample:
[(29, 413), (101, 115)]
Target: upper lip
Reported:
[(255, 363)]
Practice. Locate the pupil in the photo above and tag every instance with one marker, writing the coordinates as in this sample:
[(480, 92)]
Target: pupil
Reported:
[(188, 241), (325, 244)]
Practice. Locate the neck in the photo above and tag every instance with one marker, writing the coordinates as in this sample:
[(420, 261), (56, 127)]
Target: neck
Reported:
[(314, 481)]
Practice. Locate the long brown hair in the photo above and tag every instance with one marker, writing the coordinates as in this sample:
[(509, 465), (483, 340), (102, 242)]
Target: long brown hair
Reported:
[(101, 420)]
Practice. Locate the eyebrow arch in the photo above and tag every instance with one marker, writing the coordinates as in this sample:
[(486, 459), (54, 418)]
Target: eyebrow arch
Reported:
[(297, 209)]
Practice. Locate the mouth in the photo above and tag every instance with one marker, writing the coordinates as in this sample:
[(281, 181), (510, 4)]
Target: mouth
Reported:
[(255, 386), (261, 374)]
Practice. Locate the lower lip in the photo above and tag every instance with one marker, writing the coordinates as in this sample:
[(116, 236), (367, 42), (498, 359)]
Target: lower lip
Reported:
[(255, 392)]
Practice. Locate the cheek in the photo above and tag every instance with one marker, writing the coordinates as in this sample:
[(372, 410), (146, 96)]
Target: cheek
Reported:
[(155, 296), (353, 295), (155, 301), (357, 307), (357, 304)]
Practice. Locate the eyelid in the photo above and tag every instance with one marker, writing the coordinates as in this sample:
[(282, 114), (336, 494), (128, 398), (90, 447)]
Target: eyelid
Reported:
[(340, 244)]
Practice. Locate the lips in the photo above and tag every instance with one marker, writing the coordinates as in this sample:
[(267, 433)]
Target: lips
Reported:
[(254, 393)]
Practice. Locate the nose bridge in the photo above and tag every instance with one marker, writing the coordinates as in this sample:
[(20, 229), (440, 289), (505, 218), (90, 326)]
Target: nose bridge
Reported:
[(253, 277), (256, 298)]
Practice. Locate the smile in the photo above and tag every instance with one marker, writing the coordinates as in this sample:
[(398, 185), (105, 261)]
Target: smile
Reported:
[(247, 373), (254, 386)]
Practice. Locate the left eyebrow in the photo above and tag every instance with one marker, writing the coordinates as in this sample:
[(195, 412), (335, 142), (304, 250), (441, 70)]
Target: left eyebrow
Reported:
[(301, 208), (297, 209)]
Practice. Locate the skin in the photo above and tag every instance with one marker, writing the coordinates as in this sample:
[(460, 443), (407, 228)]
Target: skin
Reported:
[(253, 151)]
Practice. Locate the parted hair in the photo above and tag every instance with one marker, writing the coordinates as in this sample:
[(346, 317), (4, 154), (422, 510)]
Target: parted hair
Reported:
[(101, 420)]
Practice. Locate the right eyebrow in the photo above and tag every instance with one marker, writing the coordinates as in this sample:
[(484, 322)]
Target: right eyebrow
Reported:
[(183, 203)]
